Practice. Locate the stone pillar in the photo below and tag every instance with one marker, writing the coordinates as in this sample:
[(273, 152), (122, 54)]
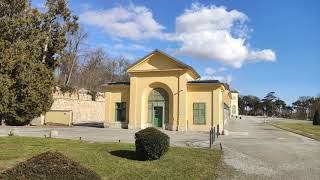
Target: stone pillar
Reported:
[(218, 109), (182, 104), (108, 118), (133, 103)]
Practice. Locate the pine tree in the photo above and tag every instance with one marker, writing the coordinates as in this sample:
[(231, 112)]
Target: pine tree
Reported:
[(316, 118), (30, 44)]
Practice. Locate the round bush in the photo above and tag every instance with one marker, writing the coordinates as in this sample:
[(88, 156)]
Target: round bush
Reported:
[(151, 144)]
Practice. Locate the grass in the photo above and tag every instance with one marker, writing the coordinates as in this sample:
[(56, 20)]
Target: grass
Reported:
[(115, 160), (303, 129)]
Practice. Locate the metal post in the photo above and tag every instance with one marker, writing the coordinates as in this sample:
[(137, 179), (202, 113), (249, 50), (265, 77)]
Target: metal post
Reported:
[(218, 132), (210, 138), (214, 133)]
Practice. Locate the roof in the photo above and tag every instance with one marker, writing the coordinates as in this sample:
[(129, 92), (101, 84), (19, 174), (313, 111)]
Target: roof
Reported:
[(117, 83), (226, 86), (178, 61), (203, 81)]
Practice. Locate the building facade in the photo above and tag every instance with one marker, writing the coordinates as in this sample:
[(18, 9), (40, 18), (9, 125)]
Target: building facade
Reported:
[(234, 103), (166, 93)]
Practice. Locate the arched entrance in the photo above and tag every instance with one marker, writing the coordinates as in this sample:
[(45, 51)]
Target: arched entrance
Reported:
[(158, 107)]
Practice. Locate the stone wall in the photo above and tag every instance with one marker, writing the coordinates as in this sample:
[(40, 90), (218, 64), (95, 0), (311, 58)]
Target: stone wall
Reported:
[(81, 94), (81, 104), (84, 110)]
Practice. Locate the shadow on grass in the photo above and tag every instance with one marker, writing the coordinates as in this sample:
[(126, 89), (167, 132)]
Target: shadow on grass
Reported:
[(127, 154)]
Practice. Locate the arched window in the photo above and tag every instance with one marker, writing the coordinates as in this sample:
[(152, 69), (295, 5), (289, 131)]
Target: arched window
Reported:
[(158, 94)]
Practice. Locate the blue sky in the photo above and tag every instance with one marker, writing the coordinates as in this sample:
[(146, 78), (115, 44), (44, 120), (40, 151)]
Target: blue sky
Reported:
[(258, 46)]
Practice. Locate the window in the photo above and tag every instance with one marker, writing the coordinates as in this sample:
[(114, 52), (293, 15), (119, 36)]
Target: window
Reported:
[(121, 111), (234, 109), (199, 113)]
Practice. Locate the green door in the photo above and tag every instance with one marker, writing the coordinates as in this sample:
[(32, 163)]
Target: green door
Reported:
[(158, 116)]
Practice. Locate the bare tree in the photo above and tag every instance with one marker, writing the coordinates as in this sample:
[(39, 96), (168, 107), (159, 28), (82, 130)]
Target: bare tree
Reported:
[(93, 73), (70, 56)]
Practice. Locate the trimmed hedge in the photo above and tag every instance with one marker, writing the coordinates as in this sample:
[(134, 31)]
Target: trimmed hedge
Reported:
[(49, 165), (151, 144)]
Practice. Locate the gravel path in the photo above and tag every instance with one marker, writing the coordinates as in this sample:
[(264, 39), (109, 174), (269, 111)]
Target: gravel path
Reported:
[(91, 134), (259, 151)]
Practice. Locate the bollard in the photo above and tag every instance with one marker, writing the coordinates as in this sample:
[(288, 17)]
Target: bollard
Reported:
[(214, 134), (210, 137), (218, 132), (53, 134), (211, 140)]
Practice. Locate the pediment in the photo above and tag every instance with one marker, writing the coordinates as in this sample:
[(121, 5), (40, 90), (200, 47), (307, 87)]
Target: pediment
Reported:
[(160, 61), (156, 61)]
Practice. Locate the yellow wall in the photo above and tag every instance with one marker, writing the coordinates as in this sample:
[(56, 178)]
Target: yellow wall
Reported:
[(227, 97), (198, 95), (160, 71), (141, 84), (212, 96), (58, 117), (114, 94), (234, 102)]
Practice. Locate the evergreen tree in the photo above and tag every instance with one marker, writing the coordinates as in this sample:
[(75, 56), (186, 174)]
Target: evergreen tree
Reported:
[(316, 118), (30, 44)]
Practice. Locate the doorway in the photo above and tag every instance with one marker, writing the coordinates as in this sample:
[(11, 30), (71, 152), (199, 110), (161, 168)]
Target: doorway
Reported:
[(158, 108), (157, 116)]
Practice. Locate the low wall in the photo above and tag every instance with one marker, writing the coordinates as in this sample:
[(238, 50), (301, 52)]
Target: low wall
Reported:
[(82, 110)]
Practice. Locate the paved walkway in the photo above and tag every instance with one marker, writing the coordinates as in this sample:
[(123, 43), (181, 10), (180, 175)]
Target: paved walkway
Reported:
[(260, 151), (194, 139)]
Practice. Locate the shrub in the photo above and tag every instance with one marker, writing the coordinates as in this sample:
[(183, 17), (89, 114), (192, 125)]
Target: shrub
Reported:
[(49, 165), (316, 118), (65, 88), (151, 144)]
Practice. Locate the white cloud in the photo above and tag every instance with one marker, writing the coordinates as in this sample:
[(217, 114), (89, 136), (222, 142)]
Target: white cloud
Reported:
[(266, 54), (139, 47), (225, 79), (209, 71), (213, 33), (130, 47), (202, 32), (211, 74), (132, 22)]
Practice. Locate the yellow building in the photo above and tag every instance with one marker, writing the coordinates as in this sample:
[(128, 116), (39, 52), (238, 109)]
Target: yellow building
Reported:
[(166, 93), (234, 106)]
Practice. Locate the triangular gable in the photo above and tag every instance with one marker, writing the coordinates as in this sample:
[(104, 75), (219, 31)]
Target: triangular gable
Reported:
[(158, 60)]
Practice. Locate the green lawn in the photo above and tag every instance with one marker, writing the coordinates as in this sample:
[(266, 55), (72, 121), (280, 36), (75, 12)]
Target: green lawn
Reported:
[(303, 129), (115, 160)]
